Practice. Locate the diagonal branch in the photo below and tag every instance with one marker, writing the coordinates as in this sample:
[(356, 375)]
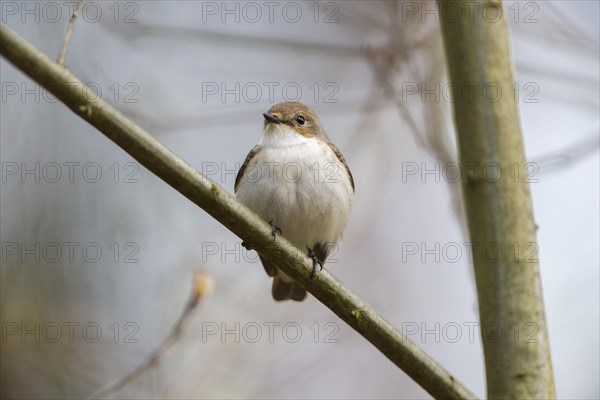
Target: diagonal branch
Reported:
[(228, 211)]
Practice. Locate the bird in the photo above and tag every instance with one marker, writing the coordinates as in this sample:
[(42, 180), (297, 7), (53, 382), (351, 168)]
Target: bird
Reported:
[(298, 180)]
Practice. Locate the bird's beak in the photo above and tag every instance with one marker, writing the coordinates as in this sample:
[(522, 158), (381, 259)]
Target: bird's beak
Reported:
[(271, 118)]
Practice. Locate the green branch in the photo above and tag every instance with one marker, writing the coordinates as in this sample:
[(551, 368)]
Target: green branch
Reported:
[(240, 220), (498, 203)]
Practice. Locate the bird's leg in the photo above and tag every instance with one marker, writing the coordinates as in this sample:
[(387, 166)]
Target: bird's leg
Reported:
[(275, 229), (315, 261)]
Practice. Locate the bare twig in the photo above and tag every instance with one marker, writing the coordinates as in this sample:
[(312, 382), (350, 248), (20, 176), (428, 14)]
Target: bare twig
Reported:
[(385, 62), (567, 156), (236, 217), (201, 288), (69, 33)]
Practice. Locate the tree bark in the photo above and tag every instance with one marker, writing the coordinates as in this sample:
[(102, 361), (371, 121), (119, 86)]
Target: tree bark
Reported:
[(497, 200)]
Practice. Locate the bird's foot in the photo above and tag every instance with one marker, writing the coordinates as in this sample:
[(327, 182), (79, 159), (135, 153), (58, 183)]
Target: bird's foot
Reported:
[(246, 246), (315, 261), (274, 229)]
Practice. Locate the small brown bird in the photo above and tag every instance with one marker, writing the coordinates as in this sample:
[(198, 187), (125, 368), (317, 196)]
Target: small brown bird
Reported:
[(300, 182)]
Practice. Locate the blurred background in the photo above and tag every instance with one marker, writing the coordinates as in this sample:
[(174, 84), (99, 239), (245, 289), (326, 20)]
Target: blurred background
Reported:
[(99, 256)]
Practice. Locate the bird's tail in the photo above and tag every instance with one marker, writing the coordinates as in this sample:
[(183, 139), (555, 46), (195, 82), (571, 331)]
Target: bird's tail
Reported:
[(284, 288)]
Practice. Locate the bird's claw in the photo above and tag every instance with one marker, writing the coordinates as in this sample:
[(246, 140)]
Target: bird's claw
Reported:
[(315, 261), (275, 229), (246, 246)]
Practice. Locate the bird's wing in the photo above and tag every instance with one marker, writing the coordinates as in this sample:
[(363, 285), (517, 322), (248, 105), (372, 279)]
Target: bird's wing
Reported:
[(240, 173), (340, 157)]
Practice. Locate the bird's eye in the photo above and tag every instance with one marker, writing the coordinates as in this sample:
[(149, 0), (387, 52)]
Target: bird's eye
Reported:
[(300, 119)]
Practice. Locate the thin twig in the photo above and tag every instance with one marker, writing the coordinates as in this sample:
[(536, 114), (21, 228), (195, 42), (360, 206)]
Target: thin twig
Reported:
[(201, 289), (243, 222), (69, 33), (384, 63), (566, 156)]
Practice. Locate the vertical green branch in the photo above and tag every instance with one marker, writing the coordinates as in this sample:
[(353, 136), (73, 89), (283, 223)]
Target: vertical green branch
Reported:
[(497, 200)]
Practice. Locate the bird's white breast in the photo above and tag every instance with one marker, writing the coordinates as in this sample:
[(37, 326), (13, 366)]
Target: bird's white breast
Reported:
[(300, 184)]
